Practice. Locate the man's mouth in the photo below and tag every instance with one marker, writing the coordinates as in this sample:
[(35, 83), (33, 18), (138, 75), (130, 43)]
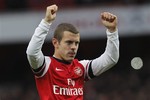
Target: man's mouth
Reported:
[(72, 54)]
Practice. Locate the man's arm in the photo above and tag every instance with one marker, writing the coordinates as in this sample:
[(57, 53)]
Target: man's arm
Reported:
[(111, 55), (34, 53), (109, 58)]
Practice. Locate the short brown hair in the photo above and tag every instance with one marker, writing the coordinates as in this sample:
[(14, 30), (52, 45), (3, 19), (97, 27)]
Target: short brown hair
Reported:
[(58, 34)]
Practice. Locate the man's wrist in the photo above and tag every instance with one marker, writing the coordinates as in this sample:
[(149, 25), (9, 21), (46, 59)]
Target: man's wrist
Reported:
[(112, 30), (46, 21)]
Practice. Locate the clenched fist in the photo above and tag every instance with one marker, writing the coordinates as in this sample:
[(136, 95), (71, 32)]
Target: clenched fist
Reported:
[(51, 13), (109, 21)]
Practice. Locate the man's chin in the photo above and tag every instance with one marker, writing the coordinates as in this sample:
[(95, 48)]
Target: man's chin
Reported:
[(70, 59)]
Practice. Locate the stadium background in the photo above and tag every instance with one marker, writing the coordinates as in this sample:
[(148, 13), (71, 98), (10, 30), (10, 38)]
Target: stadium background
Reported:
[(121, 82)]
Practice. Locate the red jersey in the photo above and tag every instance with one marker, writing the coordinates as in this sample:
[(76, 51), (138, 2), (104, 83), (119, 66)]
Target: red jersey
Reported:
[(57, 80), (62, 81)]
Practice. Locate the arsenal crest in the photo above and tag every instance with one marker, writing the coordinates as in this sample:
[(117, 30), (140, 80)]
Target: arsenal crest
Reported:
[(78, 71)]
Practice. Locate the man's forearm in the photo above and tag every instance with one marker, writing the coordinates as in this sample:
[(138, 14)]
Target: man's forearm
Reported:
[(113, 45)]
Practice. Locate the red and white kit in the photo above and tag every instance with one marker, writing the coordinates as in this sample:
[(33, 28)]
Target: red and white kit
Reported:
[(59, 80)]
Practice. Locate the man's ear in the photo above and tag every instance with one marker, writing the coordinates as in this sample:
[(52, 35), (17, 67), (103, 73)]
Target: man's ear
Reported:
[(55, 42)]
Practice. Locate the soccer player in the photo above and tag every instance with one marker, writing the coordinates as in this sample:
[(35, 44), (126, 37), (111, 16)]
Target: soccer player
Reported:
[(61, 76)]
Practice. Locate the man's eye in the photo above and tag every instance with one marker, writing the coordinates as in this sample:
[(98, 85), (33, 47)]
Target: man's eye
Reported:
[(69, 42), (77, 43)]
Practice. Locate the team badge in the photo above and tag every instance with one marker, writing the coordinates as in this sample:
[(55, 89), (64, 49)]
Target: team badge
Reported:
[(78, 71)]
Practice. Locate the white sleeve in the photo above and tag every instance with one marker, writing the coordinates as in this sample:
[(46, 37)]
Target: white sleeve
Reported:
[(34, 54), (110, 57)]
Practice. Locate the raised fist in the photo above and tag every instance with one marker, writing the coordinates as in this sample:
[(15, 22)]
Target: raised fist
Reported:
[(109, 21), (51, 13)]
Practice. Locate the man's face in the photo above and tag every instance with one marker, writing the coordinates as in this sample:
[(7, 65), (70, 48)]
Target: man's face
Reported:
[(68, 46)]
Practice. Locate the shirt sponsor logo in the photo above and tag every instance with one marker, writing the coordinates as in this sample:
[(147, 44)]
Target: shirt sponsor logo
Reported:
[(71, 82), (67, 91), (71, 90)]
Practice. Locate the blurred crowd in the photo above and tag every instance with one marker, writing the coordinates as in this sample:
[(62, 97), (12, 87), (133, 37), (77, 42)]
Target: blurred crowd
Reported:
[(119, 87), (11, 5)]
